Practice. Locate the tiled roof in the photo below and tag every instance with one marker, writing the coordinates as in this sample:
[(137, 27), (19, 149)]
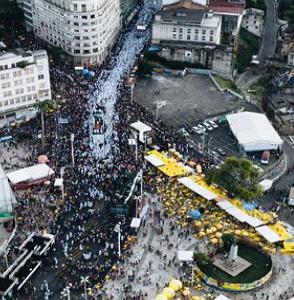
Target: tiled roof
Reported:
[(187, 4)]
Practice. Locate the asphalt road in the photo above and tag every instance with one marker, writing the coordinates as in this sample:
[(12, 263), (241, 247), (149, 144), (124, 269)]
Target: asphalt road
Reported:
[(269, 37)]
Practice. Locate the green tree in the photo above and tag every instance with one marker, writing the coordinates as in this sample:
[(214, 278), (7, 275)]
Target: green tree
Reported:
[(238, 176), (9, 12), (201, 259)]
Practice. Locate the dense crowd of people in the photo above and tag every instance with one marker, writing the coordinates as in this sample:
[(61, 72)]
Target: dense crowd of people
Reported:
[(86, 243)]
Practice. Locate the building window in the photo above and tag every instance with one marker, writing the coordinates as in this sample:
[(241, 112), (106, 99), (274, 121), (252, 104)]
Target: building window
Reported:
[(84, 8), (196, 37), (41, 76), (11, 101), (211, 32), (181, 30), (76, 51), (5, 102), (174, 29), (188, 37), (203, 38), (211, 38), (188, 30), (180, 36), (84, 17), (174, 36)]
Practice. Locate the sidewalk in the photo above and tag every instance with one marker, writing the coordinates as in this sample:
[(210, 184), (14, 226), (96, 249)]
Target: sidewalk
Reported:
[(151, 270)]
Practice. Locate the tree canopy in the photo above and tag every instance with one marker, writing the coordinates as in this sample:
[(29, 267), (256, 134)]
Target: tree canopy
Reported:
[(238, 176)]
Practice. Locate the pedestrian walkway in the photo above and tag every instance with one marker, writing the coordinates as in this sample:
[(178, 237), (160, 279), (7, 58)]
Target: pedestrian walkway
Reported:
[(154, 258)]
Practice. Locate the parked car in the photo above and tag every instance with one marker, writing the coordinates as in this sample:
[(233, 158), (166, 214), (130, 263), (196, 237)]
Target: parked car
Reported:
[(197, 130), (208, 127), (265, 157), (183, 132), (213, 124), (201, 127), (221, 151)]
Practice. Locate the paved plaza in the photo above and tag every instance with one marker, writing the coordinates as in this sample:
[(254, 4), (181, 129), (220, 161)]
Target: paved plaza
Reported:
[(188, 99), (147, 271)]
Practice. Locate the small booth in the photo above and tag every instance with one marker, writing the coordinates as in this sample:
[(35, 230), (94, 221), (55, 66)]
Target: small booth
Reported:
[(142, 132), (27, 177)]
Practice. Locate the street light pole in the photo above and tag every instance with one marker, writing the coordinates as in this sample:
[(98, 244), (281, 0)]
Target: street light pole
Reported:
[(72, 138), (84, 281), (132, 93), (118, 230), (43, 127)]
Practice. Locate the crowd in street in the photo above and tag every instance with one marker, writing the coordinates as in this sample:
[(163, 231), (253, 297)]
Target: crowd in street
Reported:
[(86, 243)]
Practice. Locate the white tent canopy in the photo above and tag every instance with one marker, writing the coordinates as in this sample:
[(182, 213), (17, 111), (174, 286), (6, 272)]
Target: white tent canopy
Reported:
[(222, 297), (135, 223), (155, 161), (266, 184), (6, 195), (197, 188), (142, 129), (268, 234), (32, 173), (185, 255), (254, 131), (239, 214)]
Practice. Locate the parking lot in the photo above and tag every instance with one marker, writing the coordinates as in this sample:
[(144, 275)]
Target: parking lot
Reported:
[(183, 100)]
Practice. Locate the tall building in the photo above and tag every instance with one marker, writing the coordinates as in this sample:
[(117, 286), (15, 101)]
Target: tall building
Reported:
[(186, 22), (24, 80), (26, 6), (127, 7), (84, 29)]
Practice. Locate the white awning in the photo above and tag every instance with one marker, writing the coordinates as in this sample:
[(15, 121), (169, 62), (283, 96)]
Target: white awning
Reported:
[(239, 214), (141, 127), (222, 297), (58, 182), (155, 161), (224, 204), (135, 223), (268, 234), (197, 188), (185, 255), (32, 173), (254, 222)]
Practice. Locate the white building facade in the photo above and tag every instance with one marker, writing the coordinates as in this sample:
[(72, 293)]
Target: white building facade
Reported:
[(193, 25), (24, 81), (84, 29), (253, 21)]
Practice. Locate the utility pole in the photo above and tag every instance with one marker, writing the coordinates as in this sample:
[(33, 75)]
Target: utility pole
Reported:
[(43, 127), (117, 229), (84, 281), (72, 139), (132, 93)]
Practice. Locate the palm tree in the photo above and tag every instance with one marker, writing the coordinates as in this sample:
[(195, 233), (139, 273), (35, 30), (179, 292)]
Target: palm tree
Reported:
[(44, 106)]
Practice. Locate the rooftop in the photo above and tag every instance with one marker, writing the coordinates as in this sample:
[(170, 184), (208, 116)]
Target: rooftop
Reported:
[(227, 7), (187, 4)]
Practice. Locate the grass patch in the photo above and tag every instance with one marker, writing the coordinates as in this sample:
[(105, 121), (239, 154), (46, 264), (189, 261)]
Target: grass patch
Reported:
[(248, 46), (261, 265), (286, 10), (258, 4), (152, 60), (226, 84), (257, 90)]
